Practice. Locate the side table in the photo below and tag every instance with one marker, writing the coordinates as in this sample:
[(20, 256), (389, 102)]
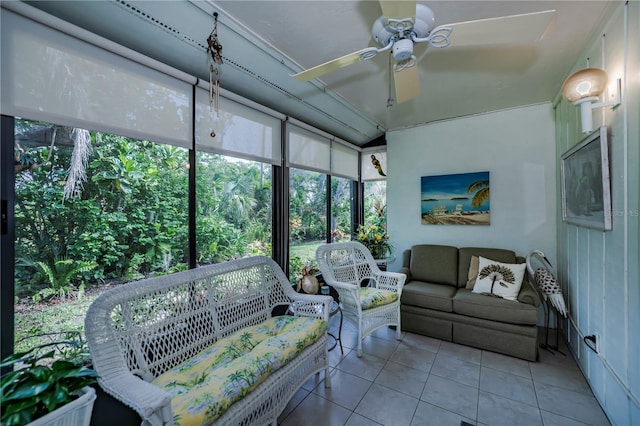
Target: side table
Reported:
[(336, 309)]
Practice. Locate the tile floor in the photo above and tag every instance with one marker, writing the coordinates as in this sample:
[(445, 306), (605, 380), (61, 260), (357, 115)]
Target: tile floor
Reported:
[(424, 381)]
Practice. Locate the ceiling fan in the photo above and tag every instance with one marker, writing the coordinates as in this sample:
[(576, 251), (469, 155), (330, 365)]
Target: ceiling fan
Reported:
[(405, 23)]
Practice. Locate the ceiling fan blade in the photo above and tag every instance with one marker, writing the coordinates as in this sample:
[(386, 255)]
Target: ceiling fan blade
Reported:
[(529, 27), (335, 64), (398, 9), (407, 84)]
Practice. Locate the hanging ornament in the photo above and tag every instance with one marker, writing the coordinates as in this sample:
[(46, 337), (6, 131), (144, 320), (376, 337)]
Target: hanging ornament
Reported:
[(214, 58)]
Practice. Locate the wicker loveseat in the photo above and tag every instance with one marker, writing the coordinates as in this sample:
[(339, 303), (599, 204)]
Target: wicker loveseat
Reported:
[(203, 347)]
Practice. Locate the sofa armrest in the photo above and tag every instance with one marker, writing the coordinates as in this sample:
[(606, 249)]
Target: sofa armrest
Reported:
[(405, 270), (528, 294)]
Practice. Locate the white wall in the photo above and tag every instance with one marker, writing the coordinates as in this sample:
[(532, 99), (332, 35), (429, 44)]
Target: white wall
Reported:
[(599, 269), (516, 146)]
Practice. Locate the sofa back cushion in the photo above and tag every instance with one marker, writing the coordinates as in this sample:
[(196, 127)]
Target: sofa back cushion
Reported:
[(434, 264), (464, 259)]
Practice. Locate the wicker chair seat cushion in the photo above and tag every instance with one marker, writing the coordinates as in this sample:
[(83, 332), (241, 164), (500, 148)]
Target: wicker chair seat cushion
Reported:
[(372, 297), (205, 386)]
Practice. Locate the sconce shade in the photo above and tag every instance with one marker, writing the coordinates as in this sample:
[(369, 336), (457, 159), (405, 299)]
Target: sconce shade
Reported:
[(586, 83)]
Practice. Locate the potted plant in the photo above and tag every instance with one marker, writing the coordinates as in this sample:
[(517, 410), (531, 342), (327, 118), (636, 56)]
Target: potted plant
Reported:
[(376, 239), (42, 390)]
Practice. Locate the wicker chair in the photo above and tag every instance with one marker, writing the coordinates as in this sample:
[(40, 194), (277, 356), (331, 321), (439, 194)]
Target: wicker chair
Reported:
[(348, 266)]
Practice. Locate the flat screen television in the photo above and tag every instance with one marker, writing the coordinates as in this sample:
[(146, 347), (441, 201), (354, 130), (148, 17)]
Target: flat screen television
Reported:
[(586, 187)]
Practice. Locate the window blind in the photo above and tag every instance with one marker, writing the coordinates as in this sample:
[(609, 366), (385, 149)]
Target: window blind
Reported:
[(344, 161), (308, 150), (237, 130), (51, 76)]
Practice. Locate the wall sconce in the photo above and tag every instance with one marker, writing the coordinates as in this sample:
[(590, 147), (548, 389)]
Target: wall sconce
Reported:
[(585, 87)]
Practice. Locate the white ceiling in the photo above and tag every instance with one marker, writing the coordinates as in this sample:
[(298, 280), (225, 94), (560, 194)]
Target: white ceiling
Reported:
[(265, 41)]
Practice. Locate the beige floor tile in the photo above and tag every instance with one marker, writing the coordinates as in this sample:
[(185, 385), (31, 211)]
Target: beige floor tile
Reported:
[(425, 381), (403, 379), (366, 367), (496, 410), (560, 376), (508, 385), (421, 342), (576, 405), (315, 410), (551, 419), (456, 369), (346, 389), (414, 357), (382, 348), (465, 353), (506, 363), (430, 415), (358, 420), (451, 396), (387, 406)]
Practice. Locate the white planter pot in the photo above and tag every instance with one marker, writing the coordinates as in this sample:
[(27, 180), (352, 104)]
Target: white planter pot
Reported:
[(75, 413)]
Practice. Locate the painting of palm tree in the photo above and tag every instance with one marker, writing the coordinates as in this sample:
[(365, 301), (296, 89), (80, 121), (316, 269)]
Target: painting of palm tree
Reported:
[(458, 199)]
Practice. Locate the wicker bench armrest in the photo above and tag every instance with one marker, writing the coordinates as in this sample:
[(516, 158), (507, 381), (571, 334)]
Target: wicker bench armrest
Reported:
[(310, 305), (149, 401)]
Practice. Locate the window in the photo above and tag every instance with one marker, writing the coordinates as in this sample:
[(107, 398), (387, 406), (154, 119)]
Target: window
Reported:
[(233, 208), (341, 209), (307, 218), (124, 220), (130, 216), (375, 203)]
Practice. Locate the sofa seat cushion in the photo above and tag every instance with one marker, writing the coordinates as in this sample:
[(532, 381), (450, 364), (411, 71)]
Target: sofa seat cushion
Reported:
[(465, 302), (371, 297), (428, 295), (205, 386)]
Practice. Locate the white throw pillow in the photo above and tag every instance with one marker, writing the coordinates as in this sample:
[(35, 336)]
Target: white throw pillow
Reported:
[(499, 279)]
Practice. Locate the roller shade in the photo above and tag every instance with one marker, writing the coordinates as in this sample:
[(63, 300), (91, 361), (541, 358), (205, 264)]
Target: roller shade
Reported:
[(51, 76), (308, 150), (374, 165), (344, 161), (239, 130)]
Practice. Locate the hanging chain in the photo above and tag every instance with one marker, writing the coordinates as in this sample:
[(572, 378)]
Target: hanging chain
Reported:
[(390, 99), (214, 57)]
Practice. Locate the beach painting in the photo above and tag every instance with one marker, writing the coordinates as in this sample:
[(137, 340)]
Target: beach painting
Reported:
[(458, 199)]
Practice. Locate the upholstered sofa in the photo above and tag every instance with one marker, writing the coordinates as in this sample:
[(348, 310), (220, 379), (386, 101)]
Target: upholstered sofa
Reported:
[(435, 302)]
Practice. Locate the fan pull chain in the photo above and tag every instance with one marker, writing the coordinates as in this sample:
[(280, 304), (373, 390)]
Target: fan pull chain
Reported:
[(214, 53), (390, 100)]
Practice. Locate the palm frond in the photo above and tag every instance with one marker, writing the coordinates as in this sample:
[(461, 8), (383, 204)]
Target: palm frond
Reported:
[(475, 186), (480, 197)]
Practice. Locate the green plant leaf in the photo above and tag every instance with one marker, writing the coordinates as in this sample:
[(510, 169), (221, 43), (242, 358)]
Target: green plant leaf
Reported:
[(27, 389)]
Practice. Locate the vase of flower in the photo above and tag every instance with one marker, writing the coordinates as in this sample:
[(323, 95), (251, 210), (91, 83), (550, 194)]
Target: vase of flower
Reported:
[(376, 239)]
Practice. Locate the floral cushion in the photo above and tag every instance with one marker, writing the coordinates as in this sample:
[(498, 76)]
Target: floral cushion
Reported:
[(205, 386), (372, 297)]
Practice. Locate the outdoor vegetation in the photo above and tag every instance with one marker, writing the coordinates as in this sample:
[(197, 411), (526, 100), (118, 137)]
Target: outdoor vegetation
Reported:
[(94, 210)]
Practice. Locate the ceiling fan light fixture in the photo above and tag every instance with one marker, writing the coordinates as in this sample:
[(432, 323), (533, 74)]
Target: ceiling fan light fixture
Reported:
[(402, 49), (425, 21), (381, 33), (385, 30)]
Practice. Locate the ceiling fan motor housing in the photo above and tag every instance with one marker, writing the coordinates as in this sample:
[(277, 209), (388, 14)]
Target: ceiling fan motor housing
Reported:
[(383, 33), (402, 49)]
